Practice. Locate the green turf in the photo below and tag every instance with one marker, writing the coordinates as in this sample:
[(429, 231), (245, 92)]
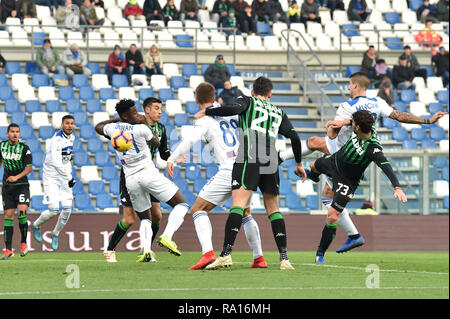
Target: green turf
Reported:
[(402, 275)]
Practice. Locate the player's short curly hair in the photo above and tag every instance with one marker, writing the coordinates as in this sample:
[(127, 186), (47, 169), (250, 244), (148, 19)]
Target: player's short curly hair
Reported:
[(364, 119), (124, 106)]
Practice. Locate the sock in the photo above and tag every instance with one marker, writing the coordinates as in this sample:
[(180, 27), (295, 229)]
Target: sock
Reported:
[(232, 227), (279, 233), (251, 230), (9, 231), (305, 148), (176, 218), (23, 226), (155, 228), (328, 233), (313, 174), (289, 153), (119, 232), (62, 220), (204, 230), (145, 232), (346, 223), (45, 216)]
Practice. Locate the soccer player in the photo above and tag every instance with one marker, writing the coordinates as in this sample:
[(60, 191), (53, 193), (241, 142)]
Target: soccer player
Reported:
[(359, 83), (16, 158), (221, 134), (256, 164), (57, 180), (142, 178), (346, 168)]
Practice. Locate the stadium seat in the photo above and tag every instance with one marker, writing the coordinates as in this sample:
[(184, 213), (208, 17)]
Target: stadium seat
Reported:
[(87, 93), (352, 69), (80, 118), (211, 170), (119, 80), (94, 145), (73, 105), (39, 119), (419, 134), (183, 41), (188, 70), (55, 77), (39, 80), (435, 107), (440, 162), (389, 123), (409, 145), (446, 206), (66, 93), (46, 132), (399, 134), (83, 202), (198, 184), (185, 94), (19, 118), (80, 80), (38, 159), (166, 94), (437, 133), (106, 94), (145, 93), (408, 96), (12, 68), (102, 158), (53, 106), (349, 30), (192, 172), (46, 93), (428, 144), (394, 43), (263, 29), (3, 80), (94, 67), (104, 201), (36, 203), (195, 80), (89, 173), (285, 187), (192, 107), (311, 202), (392, 17), (435, 83), (114, 187), (442, 96), (32, 68), (415, 4), (181, 183), (181, 119), (87, 132), (109, 172), (6, 93), (93, 105), (96, 187), (177, 81), (158, 81), (12, 105), (294, 202), (445, 173)]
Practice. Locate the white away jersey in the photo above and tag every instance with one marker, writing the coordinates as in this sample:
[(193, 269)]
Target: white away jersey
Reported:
[(138, 156), (58, 156), (377, 106)]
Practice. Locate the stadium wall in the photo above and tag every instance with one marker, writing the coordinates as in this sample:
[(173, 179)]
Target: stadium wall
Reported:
[(88, 232)]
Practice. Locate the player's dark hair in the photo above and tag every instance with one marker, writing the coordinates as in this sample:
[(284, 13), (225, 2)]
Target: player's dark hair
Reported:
[(67, 117), (262, 86), (124, 106), (364, 119), (12, 125), (361, 78), (205, 93), (148, 102)]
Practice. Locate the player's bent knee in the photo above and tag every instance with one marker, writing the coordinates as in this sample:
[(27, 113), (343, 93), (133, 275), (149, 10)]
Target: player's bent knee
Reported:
[(143, 215), (333, 216), (247, 211)]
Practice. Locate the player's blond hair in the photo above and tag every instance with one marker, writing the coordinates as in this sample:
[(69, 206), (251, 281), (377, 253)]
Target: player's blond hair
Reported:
[(205, 93), (362, 79)]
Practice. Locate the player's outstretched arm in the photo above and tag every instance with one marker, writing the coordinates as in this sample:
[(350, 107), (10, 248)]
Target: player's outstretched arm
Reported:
[(100, 126), (405, 117)]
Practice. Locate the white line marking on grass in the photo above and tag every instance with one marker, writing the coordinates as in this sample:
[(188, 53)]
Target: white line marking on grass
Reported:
[(69, 291)]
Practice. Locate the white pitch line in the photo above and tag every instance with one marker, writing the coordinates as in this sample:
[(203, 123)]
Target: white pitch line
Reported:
[(80, 290)]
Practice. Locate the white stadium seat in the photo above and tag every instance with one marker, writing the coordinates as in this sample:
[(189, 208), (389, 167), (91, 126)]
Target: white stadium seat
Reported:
[(202, 40), (237, 41), (426, 96), (129, 38), (305, 188), (173, 107), (195, 80), (46, 93), (57, 119), (110, 106), (26, 93), (35, 188), (127, 93), (434, 83), (314, 29), (31, 25), (43, 12), (4, 119), (418, 108), (271, 43), (175, 27), (277, 27), (89, 173), (170, 69), (99, 117), (4, 38), (100, 81), (254, 42), (443, 122), (158, 81), (186, 94), (440, 188), (19, 80), (39, 119), (443, 145), (94, 40), (419, 82), (237, 81), (218, 41), (142, 78), (165, 39)]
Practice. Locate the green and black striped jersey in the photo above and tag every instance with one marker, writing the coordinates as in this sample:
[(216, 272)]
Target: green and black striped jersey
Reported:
[(15, 158), (160, 131)]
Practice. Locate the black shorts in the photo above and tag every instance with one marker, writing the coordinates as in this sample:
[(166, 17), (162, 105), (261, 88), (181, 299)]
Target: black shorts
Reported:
[(125, 197), (250, 177), (343, 188), (14, 195)]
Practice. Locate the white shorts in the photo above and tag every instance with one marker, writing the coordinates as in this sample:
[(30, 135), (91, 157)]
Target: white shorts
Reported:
[(56, 190), (218, 189), (149, 181), (331, 145)]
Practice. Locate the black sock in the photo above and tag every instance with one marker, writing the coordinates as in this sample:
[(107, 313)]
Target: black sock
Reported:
[(232, 227), (119, 232), (279, 233), (313, 174), (23, 226), (354, 236), (328, 233), (8, 232), (155, 228)]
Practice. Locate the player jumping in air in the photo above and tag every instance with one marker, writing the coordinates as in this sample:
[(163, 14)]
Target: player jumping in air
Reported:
[(16, 159), (346, 168), (221, 134), (359, 83)]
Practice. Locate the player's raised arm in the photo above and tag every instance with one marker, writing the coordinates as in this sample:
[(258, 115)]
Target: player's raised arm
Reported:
[(405, 117), (99, 128), (239, 106)]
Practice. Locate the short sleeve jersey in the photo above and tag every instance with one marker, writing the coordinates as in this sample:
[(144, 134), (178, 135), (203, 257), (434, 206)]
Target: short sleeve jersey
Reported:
[(15, 159)]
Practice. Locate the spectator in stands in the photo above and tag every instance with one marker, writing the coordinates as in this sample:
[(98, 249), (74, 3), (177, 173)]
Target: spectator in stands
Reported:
[(246, 23), (403, 75), (26, 9), (293, 13), (68, 16), (381, 71), (428, 38), (414, 63), (440, 61), (135, 62), (217, 73), (133, 11), (153, 61), (321, 3), (8, 9), (386, 92), (152, 11), (55, 3), (309, 12), (260, 11), (170, 12), (202, 5), (358, 11), (442, 10), (48, 60), (75, 61), (220, 10), (335, 5), (230, 22), (98, 3), (229, 94), (189, 10), (89, 15), (116, 63), (426, 11), (369, 61), (2, 63), (276, 12)]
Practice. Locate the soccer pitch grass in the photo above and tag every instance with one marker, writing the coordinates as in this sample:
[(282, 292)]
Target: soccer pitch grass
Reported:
[(401, 275)]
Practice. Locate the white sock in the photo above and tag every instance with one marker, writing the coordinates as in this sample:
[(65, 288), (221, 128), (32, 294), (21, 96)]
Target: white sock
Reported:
[(251, 230), (204, 230), (62, 220), (176, 218), (146, 233), (347, 224), (287, 154), (305, 148), (45, 216)]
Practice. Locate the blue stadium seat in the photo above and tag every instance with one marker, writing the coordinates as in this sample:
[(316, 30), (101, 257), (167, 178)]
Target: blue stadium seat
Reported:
[(12, 105), (177, 81), (19, 118), (81, 158), (87, 93), (392, 17), (114, 187), (442, 96), (32, 68), (59, 77), (192, 107), (437, 133), (211, 170), (3, 130), (39, 80), (165, 119), (440, 162), (6, 93), (415, 4), (52, 106), (83, 202), (94, 67), (3, 80), (78, 188), (102, 158), (26, 131), (182, 184), (80, 80), (198, 184), (87, 131), (428, 144), (77, 145), (104, 200), (204, 67), (389, 123), (109, 173), (263, 29), (429, 69), (34, 144), (352, 69), (38, 159), (291, 175), (38, 39), (419, 134), (435, 107), (96, 187), (119, 80), (401, 106), (394, 43), (181, 119), (294, 202), (46, 132), (400, 134), (446, 202), (73, 105), (189, 69), (93, 105), (408, 96), (311, 202), (232, 70), (66, 93), (107, 94), (190, 198), (166, 94), (145, 93), (285, 187), (94, 145), (409, 145), (12, 68), (183, 41), (36, 203), (445, 173), (350, 30), (176, 173), (192, 172), (433, 175)]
